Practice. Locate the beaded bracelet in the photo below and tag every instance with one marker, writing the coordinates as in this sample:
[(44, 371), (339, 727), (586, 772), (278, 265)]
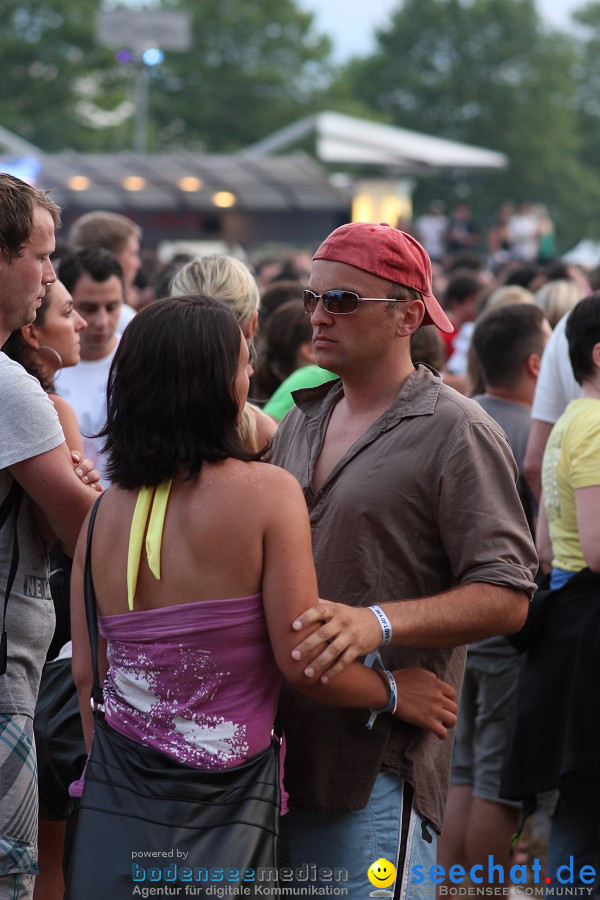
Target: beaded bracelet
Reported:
[(370, 661), (386, 625)]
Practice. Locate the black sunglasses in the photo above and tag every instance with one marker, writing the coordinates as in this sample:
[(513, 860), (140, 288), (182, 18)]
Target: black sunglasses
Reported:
[(340, 303)]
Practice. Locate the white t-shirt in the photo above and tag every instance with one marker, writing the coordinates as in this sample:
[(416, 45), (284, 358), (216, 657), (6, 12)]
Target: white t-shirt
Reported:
[(28, 426), (84, 386), (556, 385), (125, 316), (458, 364), (523, 230), (432, 230)]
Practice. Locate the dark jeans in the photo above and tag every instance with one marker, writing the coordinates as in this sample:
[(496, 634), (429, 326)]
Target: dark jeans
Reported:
[(575, 831)]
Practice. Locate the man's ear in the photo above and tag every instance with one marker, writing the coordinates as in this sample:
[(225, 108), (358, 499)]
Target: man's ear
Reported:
[(596, 355), (411, 316), (532, 364), (30, 336)]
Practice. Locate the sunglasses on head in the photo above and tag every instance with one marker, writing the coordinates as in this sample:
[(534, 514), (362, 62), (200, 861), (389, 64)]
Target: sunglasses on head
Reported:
[(338, 302)]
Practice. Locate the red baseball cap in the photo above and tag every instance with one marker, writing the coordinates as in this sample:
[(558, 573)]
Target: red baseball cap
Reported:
[(390, 254)]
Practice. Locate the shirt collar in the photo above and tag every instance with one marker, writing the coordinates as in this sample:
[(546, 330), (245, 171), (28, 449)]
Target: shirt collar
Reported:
[(417, 397)]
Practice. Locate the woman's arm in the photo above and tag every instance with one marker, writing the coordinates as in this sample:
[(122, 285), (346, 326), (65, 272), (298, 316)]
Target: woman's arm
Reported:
[(587, 506), (290, 584), (82, 660), (68, 420)]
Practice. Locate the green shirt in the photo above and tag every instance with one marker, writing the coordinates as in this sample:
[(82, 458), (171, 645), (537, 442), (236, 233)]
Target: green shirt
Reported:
[(305, 377)]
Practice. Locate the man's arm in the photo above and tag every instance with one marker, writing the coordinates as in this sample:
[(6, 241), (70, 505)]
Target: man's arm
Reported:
[(554, 389), (534, 454), (49, 480), (459, 616), (542, 538)]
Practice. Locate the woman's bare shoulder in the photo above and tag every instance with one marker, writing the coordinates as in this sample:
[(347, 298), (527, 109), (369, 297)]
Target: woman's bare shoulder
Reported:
[(266, 476), (117, 503), (257, 428), (61, 403), (265, 425)]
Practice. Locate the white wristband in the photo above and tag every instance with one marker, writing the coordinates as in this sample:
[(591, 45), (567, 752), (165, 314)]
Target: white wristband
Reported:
[(386, 625), (372, 660)]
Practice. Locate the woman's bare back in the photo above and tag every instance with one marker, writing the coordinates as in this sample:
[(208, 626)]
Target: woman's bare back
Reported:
[(212, 542)]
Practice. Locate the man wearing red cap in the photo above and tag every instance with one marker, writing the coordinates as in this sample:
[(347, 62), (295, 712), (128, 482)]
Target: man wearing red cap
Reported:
[(411, 493)]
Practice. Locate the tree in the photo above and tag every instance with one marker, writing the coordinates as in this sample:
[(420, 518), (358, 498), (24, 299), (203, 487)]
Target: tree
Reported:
[(252, 68), (587, 77), (51, 63), (487, 72)]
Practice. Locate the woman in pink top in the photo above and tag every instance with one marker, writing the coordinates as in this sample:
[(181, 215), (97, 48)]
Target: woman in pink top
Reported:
[(202, 559)]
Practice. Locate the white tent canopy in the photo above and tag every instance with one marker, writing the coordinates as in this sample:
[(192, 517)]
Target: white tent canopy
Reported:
[(12, 143), (346, 139)]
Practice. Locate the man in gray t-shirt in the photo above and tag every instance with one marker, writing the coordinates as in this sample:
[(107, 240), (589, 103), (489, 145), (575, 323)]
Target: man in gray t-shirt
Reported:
[(34, 454), (29, 426), (508, 344)]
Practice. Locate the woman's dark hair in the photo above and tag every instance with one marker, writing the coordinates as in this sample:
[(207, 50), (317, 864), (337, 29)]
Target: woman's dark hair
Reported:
[(583, 333), (427, 346), (18, 349), (171, 402), (276, 294), (286, 329)]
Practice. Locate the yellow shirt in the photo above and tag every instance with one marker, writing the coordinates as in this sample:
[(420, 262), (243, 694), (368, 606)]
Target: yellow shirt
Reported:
[(571, 461)]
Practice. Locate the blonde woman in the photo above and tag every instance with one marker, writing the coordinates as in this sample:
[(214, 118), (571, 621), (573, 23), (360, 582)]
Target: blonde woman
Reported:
[(556, 298), (229, 280)]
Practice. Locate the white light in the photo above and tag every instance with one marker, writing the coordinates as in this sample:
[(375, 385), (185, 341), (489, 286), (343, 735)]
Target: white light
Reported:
[(153, 56), (134, 183), (224, 199), (189, 183), (78, 183)]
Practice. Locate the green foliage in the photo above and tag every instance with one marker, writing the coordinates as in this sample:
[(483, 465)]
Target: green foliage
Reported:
[(587, 78), (487, 72), (50, 65), (253, 68)]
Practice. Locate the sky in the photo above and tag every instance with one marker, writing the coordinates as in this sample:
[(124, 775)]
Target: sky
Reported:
[(350, 23)]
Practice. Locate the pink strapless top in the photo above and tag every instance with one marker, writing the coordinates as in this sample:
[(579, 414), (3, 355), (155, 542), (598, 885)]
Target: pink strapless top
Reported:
[(196, 681)]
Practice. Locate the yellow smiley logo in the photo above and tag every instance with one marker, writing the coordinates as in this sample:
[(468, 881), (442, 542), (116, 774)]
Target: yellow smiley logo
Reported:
[(382, 873)]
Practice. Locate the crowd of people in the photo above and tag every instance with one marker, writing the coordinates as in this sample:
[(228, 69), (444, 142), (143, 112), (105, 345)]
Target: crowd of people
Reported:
[(318, 485), (522, 231)]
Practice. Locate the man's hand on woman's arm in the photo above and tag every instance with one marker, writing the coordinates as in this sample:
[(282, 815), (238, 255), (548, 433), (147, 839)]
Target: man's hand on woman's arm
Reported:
[(464, 614)]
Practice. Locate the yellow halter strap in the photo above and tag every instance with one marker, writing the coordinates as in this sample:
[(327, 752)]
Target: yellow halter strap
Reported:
[(148, 519)]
